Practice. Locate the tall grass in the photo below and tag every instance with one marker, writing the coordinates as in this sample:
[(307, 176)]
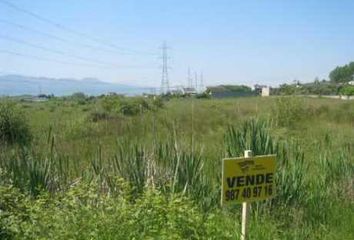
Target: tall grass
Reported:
[(13, 125), (154, 171), (255, 135), (290, 175), (287, 111), (130, 162), (250, 135)]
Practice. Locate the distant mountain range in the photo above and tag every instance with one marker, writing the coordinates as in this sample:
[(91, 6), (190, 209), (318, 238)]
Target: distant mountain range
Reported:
[(14, 85)]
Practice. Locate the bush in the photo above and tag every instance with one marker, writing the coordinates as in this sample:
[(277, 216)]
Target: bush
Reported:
[(98, 115), (126, 106), (83, 213), (287, 111), (157, 102), (78, 96), (204, 95), (347, 90), (110, 103), (13, 125), (129, 108)]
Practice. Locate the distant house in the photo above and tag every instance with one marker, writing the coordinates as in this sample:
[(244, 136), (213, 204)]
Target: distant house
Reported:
[(258, 88), (176, 92), (351, 83), (262, 90), (189, 91), (266, 92), (39, 98)]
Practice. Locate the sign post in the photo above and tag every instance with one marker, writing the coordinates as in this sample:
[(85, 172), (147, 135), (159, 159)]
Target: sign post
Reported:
[(247, 179), (248, 154)]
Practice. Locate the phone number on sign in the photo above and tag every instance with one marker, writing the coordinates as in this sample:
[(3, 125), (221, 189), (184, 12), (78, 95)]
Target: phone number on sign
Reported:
[(249, 192)]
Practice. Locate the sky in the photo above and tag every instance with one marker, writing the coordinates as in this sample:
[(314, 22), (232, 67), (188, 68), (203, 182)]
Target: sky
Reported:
[(230, 42)]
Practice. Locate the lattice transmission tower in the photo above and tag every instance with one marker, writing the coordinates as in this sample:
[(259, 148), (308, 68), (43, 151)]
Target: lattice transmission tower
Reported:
[(165, 84)]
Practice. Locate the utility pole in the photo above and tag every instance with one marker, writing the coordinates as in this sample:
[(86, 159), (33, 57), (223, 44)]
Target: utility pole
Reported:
[(190, 81), (196, 81), (165, 85), (201, 85)]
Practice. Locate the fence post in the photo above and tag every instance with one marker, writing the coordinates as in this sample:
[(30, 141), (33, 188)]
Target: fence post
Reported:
[(245, 207)]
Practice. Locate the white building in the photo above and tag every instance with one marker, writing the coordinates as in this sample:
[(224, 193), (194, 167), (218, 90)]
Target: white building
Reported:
[(265, 91), (189, 90)]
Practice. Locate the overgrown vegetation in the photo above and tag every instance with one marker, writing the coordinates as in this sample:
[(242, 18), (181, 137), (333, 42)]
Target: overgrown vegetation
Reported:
[(342, 74), (347, 90), (13, 126), (287, 111), (155, 174), (338, 84), (130, 106)]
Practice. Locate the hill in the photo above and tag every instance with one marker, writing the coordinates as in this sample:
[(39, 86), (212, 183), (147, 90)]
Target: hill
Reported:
[(13, 85)]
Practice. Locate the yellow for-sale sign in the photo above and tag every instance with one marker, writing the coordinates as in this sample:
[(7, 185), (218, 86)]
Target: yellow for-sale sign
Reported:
[(248, 179)]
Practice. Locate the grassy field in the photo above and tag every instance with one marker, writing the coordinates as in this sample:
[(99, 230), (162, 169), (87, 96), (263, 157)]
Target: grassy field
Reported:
[(131, 168)]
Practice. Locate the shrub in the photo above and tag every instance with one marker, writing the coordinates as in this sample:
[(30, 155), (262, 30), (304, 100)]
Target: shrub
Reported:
[(110, 103), (78, 96), (125, 106), (98, 115), (83, 213), (287, 111), (204, 95), (13, 126), (133, 107), (158, 102), (347, 90), (129, 108)]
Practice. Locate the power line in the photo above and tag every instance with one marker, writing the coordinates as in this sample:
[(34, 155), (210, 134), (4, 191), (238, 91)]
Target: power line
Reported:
[(58, 61), (41, 58), (64, 28), (19, 41), (55, 37), (32, 30)]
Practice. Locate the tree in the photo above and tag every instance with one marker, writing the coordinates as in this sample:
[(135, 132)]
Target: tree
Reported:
[(342, 74), (78, 96)]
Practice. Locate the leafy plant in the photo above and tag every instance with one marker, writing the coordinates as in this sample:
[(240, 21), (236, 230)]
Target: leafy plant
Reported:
[(250, 135), (13, 125), (288, 111), (347, 90)]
